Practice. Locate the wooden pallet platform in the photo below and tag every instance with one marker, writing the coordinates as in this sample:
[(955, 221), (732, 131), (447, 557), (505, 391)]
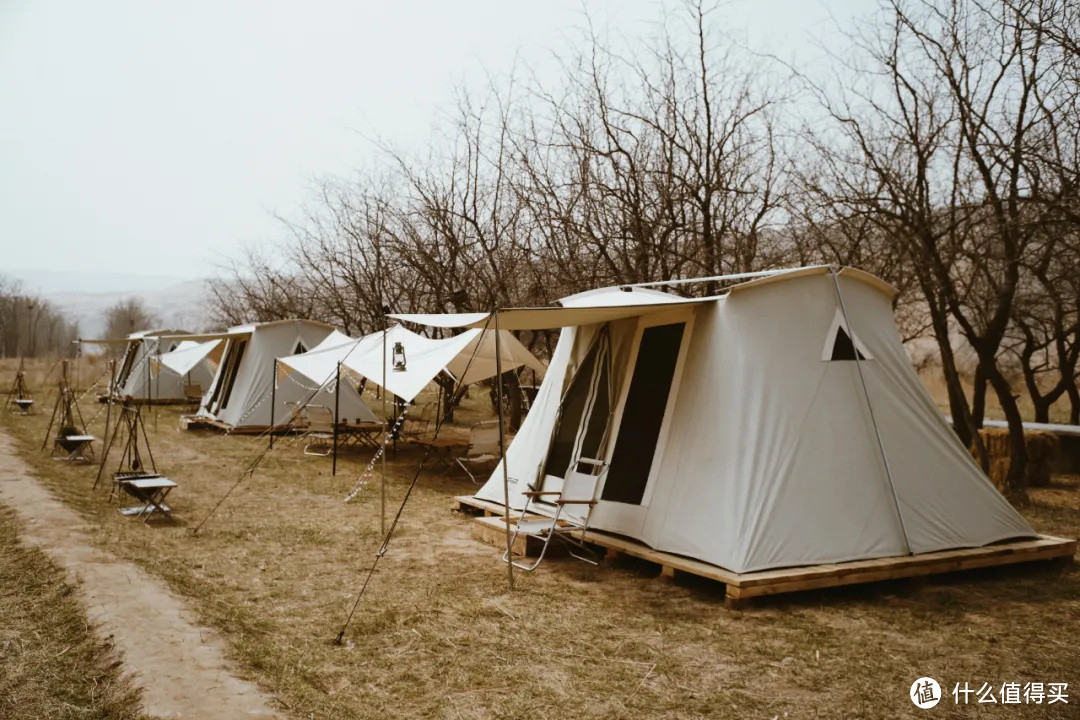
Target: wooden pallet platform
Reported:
[(741, 587), (475, 506), (195, 422)]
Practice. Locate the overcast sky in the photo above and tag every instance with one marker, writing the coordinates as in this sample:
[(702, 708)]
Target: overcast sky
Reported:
[(152, 137)]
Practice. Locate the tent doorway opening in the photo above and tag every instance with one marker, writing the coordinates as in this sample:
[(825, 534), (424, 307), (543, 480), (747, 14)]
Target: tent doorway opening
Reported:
[(644, 410), (583, 415)]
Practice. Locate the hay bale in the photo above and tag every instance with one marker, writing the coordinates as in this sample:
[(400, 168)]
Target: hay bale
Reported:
[(1042, 451), (999, 469)]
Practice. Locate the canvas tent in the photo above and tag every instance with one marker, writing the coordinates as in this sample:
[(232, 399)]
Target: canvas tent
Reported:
[(779, 424), (469, 357), (242, 392), (140, 375)]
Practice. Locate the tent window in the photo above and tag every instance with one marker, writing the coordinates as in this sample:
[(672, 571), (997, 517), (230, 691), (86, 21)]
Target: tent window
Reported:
[(299, 349), (840, 344), (230, 377), (843, 348), (573, 409)]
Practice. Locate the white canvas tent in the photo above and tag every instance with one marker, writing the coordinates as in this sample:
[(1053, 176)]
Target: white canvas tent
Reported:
[(242, 392), (142, 377), (468, 357), (779, 424)]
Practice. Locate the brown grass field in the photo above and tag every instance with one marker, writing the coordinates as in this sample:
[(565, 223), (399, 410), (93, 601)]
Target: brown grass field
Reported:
[(54, 664), (438, 634)]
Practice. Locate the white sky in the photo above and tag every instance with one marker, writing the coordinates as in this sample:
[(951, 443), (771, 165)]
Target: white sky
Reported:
[(151, 137)]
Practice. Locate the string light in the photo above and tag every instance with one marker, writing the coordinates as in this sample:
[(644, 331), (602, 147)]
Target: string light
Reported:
[(390, 435)]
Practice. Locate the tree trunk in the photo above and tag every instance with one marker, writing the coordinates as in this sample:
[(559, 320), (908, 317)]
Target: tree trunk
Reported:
[(1015, 482), (963, 423), (1074, 403), (978, 399)]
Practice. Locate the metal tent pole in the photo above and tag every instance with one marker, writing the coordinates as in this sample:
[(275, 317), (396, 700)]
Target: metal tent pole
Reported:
[(337, 407), (157, 387), (502, 456), (273, 401), (382, 485), (870, 407)]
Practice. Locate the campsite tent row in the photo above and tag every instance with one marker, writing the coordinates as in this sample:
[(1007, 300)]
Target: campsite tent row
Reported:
[(140, 377), (779, 424), (245, 392)]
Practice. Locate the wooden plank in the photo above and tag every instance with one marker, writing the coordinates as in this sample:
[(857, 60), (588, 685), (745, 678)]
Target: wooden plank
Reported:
[(492, 531), (1007, 553), (475, 506)]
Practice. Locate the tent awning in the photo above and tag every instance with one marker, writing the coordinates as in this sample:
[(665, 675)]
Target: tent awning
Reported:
[(469, 357), (320, 363), (546, 318), (183, 359)]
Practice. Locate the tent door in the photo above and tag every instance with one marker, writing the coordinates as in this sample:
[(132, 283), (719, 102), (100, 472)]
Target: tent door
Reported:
[(583, 417), (642, 418)]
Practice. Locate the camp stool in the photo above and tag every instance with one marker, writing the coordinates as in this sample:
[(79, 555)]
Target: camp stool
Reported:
[(74, 448), (150, 490), (579, 488), (483, 447)]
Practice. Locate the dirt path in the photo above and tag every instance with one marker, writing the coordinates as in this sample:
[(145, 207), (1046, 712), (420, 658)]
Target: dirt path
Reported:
[(180, 665)]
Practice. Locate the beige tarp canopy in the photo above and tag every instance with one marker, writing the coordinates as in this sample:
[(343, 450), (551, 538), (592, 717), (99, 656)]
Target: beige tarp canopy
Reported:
[(469, 357)]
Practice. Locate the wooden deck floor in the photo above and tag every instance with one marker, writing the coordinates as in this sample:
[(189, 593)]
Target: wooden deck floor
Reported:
[(741, 587)]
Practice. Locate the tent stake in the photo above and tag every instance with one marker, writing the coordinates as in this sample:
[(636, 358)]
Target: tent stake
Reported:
[(502, 456)]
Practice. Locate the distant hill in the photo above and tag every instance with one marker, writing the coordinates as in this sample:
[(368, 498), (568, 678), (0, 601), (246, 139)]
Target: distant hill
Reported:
[(178, 305)]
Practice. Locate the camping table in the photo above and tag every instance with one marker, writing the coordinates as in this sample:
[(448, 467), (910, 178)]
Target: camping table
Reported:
[(364, 434), (24, 405), (443, 449), (78, 447), (151, 491)]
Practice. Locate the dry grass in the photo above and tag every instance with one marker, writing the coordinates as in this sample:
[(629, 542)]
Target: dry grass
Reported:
[(438, 635), (54, 666), (935, 383)]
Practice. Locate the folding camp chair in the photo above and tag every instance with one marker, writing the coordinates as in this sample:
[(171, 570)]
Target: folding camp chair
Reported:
[(483, 447), (416, 426), (579, 489), (320, 433)]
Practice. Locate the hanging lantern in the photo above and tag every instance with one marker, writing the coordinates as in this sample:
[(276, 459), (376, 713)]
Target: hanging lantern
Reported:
[(399, 357)]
